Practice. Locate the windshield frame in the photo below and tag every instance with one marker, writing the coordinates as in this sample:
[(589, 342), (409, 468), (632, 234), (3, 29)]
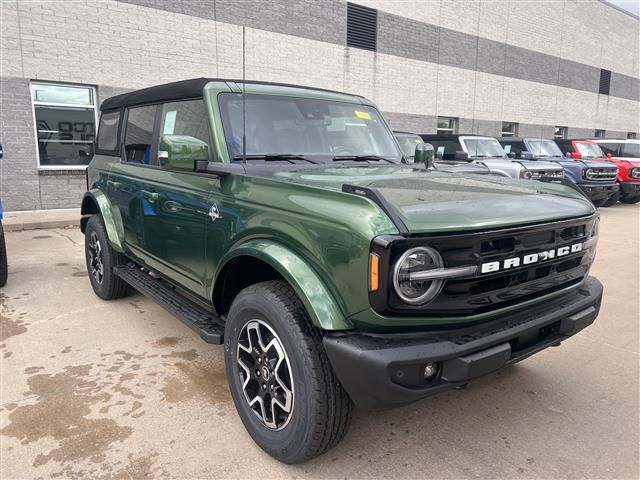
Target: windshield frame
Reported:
[(463, 144), (221, 97)]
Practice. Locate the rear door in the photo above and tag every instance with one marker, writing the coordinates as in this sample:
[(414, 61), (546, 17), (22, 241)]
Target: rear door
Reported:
[(126, 179)]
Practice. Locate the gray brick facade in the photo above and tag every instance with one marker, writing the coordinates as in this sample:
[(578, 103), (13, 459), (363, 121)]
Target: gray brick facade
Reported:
[(431, 60)]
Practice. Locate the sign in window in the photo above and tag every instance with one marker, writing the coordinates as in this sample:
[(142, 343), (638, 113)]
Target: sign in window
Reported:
[(65, 119)]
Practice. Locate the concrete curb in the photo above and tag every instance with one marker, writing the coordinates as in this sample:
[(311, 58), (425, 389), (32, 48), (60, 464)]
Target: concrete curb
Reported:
[(40, 219)]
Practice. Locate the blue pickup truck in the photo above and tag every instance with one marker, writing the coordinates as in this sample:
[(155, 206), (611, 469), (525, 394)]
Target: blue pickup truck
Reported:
[(596, 179)]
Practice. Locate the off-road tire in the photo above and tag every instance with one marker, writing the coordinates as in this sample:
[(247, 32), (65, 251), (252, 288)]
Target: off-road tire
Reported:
[(322, 410), (111, 286), (613, 199), (630, 200), (4, 266)]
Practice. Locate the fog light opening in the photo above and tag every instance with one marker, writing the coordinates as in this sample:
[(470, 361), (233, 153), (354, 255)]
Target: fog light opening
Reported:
[(431, 370)]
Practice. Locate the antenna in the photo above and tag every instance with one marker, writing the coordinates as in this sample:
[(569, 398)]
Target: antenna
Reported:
[(244, 87)]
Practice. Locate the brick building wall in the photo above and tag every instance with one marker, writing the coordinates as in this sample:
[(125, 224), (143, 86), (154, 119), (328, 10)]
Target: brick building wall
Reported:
[(484, 62)]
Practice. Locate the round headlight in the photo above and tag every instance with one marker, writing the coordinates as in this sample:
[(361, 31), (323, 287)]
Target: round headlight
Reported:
[(635, 172), (588, 173), (526, 174), (412, 290)]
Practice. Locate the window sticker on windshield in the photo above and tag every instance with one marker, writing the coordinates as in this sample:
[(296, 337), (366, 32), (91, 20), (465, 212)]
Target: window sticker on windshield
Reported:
[(440, 150), (363, 115), (169, 122), (507, 148)]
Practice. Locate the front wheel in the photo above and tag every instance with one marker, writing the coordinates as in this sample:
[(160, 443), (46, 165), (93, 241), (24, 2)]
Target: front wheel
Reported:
[(101, 259), (630, 200), (612, 200), (280, 378)]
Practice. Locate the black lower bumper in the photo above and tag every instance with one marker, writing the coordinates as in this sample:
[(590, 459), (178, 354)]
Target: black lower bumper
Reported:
[(599, 194), (385, 370), (630, 189)]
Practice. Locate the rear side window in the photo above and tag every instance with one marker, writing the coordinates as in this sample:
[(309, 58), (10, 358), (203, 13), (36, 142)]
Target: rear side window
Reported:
[(108, 132), (138, 140)]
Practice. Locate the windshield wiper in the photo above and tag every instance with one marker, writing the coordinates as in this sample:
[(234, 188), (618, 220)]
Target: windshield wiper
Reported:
[(361, 158), (274, 157)]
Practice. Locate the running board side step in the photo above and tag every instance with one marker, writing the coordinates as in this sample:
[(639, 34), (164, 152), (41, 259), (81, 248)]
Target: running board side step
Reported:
[(206, 324)]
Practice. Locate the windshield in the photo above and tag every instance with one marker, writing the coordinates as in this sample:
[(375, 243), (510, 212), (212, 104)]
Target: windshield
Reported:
[(483, 147), (544, 148), (408, 144), (589, 150), (314, 128)]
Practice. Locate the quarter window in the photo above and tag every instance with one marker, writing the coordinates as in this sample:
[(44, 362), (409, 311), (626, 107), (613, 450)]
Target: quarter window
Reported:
[(447, 125), (560, 132), (65, 119), (108, 131), (509, 129), (139, 135)]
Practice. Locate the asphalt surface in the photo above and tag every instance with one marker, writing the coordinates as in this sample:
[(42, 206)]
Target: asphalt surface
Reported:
[(121, 389)]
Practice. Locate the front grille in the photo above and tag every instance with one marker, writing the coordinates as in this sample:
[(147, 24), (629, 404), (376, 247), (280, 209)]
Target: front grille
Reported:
[(601, 173), (485, 292), (547, 174)]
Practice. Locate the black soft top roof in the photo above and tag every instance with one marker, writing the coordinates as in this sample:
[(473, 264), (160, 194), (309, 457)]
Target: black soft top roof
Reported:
[(181, 90)]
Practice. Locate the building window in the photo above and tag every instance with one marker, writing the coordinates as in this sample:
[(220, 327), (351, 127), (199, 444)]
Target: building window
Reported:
[(631, 135), (600, 133), (509, 129), (447, 125), (65, 119), (362, 27), (560, 132), (605, 82)]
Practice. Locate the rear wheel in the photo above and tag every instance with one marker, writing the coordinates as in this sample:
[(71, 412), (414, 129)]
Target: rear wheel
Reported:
[(101, 259), (280, 378), (4, 266), (613, 199)]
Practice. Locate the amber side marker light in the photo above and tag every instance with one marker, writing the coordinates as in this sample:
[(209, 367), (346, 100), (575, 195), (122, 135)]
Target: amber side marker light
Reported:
[(374, 262)]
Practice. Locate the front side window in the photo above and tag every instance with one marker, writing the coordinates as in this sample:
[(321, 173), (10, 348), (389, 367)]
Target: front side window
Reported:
[(447, 125), (560, 132), (408, 145), (184, 135), (323, 130), (589, 150), (65, 118), (544, 148), (509, 129), (483, 147), (611, 148), (138, 140)]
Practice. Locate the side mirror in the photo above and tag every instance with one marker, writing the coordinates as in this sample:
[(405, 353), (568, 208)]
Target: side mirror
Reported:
[(575, 155), (424, 154), (608, 155), (461, 155), (440, 155), (527, 156), (181, 152), (511, 154)]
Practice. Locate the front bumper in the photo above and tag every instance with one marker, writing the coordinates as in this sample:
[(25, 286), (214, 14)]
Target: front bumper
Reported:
[(379, 370), (629, 189), (599, 194)]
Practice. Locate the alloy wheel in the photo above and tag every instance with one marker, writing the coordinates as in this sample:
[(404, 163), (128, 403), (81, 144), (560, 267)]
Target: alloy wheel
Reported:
[(265, 373), (96, 265)]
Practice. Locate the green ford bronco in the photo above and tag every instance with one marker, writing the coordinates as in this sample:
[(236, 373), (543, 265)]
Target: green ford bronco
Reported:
[(284, 223)]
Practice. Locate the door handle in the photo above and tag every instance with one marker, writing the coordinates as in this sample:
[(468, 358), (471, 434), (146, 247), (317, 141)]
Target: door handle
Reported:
[(153, 196), (113, 184)]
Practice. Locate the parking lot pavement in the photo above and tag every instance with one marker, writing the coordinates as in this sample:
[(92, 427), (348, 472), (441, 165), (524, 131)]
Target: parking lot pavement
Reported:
[(122, 389)]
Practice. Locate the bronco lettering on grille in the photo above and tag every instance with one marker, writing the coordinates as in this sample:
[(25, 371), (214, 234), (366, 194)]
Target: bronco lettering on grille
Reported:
[(531, 258)]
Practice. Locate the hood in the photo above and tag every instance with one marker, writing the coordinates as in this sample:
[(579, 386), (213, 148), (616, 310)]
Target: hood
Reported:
[(537, 165), (431, 201), (586, 163)]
